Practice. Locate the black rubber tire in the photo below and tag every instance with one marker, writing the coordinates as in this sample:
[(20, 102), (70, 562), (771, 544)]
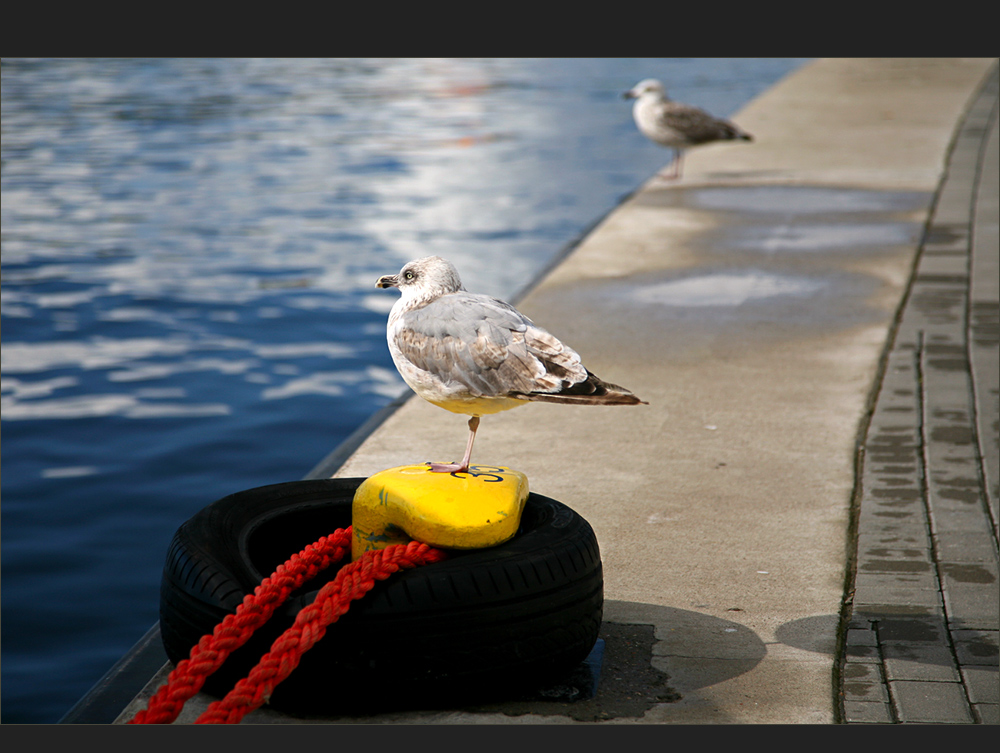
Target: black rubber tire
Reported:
[(482, 624)]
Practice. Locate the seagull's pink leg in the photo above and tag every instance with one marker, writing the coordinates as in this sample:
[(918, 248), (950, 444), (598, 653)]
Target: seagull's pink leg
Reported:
[(678, 163), (464, 465), (675, 168)]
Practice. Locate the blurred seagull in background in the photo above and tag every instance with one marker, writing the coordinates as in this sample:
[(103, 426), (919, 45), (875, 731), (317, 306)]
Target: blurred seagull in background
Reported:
[(676, 125), (473, 354)]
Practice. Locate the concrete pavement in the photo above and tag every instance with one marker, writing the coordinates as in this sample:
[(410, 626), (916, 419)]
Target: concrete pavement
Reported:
[(756, 304)]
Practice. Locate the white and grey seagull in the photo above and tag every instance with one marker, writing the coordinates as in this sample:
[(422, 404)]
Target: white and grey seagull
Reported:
[(676, 125), (473, 354)]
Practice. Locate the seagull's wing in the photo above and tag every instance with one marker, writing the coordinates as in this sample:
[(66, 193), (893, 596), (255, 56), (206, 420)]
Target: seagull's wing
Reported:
[(697, 125), (486, 346)]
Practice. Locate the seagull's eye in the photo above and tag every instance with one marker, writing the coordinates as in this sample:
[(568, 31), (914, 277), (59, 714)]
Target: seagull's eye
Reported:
[(408, 275)]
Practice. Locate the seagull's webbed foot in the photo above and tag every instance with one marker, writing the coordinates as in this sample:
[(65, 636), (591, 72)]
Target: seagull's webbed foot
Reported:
[(448, 467), (462, 467)]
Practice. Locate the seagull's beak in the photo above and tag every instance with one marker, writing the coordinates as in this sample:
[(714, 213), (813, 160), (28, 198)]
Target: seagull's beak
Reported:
[(630, 94), (387, 281)]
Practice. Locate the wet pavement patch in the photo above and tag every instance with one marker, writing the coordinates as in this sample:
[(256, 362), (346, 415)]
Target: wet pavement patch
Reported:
[(805, 200), (725, 289), (964, 573), (914, 630), (804, 237), (730, 301), (896, 566), (985, 323), (756, 266), (628, 685), (803, 219)]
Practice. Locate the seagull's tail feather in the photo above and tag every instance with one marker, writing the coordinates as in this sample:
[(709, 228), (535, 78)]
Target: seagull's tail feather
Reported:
[(733, 132), (591, 391)]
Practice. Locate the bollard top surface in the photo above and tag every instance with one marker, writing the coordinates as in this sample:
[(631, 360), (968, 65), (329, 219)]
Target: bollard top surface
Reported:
[(473, 510)]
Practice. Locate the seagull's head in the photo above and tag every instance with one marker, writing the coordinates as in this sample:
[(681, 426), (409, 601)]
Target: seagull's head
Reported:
[(429, 277), (646, 86)]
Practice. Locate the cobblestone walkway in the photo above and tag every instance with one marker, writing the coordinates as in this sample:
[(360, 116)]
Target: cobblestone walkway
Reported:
[(921, 644)]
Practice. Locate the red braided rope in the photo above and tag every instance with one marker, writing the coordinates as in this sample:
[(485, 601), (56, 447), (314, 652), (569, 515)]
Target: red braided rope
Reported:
[(212, 650), (352, 582)]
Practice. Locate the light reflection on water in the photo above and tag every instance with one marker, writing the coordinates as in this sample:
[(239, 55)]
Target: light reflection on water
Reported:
[(189, 249)]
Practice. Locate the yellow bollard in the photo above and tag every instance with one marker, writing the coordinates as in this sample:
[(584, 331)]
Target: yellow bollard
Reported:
[(473, 510)]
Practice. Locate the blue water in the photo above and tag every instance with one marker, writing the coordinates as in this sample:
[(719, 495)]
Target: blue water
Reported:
[(188, 255)]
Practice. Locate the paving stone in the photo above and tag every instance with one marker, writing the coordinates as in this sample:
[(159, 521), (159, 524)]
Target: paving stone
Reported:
[(989, 637), (970, 592), (944, 264), (916, 539), (926, 663), (982, 684), (978, 651), (859, 712), (965, 546), (986, 713), (882, 558), (918, 589), (983, 622), (930, 702), (861, 637), (862, 654), (889, 523), (931, 629), (979, 574), (864, 682), (962, 520), (857, 621), (879, 612)]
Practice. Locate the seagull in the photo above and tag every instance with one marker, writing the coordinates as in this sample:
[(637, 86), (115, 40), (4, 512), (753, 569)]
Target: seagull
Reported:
[(677, 125), (473, 354)]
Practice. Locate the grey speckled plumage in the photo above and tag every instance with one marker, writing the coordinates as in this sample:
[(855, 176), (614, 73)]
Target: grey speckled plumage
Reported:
[(676, 125), (473, 354)]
